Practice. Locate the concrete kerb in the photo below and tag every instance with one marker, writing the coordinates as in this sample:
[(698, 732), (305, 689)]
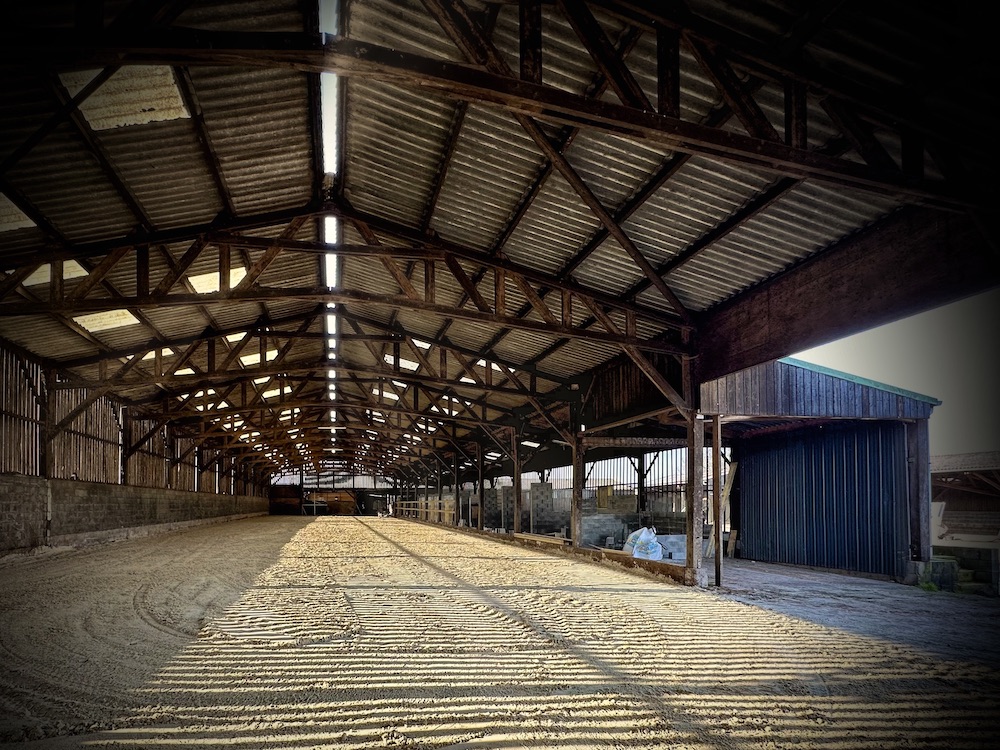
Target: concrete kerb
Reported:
[(609, 558), (87, 538)]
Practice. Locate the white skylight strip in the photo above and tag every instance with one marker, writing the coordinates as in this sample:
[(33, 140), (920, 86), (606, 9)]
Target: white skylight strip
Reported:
[(103, 321), (11, 217), (254, 359), (134, 95), (206, 283), (406, 364), (163, 353), (42, 274)]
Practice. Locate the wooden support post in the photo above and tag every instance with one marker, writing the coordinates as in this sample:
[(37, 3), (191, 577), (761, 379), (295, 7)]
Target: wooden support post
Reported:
[(142, 271), (225, 269), (717, 495), (429, 281), (482, 487), (458, 494), (427, 497), (518, 497), (499, 295), (576, 508), (56, 287), (439, 515), (641, 504), (693, 569)]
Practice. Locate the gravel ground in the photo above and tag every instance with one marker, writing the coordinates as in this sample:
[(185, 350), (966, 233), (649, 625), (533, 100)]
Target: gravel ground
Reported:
[(349, 632)]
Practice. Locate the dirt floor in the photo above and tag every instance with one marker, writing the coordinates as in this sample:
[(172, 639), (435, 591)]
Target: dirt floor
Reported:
[(341, 632)]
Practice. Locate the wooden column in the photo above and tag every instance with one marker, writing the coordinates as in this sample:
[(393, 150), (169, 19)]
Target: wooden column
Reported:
[(427, 497), (482, 487), (717, 495), (694, 573), (439, 516), (641, 504), (518, 496), (458, 499), (576, 509)]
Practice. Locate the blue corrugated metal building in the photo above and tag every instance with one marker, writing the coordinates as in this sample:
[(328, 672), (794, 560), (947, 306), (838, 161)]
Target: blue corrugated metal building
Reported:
[(833, 470)]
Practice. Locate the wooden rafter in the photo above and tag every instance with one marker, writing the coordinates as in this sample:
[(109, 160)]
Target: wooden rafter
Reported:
[(348, 57)]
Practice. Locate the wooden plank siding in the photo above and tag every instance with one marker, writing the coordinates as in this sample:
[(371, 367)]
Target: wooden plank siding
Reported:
[(94, 439), (185, 471), (89, 447), (21, 422), (623, 387), (147, 465), (787, 388)]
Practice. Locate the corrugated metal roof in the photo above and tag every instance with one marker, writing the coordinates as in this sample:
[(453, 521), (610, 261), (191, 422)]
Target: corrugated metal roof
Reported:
[(961, 462), (451, 170)]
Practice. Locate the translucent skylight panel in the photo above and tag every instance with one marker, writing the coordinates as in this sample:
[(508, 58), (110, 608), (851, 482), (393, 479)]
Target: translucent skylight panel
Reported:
[(104, 321)]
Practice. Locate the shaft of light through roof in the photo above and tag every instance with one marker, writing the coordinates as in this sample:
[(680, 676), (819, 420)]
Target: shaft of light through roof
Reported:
[(330, 117)]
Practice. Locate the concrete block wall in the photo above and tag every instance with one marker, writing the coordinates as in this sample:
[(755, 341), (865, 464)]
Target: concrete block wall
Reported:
[(82, 512), (491, 508), (670, 522), (495, 499), (597, 527), (622, 504), (551, 514), (23, 504), (982, 522)]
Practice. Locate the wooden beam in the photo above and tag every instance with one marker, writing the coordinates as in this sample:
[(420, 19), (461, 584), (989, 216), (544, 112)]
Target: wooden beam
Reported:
[(603, 52), (911, 261), (530, 49), (668, 77), (734, 93), (324, 295), (349, 57)]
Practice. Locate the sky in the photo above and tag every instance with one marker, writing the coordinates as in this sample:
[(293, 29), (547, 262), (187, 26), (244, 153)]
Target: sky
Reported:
[(949, 353)]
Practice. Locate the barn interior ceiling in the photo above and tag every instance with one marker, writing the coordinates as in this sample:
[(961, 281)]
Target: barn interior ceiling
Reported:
[(379, 236)]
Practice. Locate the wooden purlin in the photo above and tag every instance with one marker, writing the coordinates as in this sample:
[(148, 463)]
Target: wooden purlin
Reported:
[(348, 57)]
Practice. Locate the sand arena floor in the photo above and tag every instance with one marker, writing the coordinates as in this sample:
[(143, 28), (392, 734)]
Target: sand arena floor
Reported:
[(340, 632)]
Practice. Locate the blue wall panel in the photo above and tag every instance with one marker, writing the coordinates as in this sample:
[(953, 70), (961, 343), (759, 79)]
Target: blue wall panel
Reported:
[(831, 497)]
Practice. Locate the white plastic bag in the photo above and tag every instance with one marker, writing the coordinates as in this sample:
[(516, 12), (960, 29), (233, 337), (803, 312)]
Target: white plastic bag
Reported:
[(647, 546)]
